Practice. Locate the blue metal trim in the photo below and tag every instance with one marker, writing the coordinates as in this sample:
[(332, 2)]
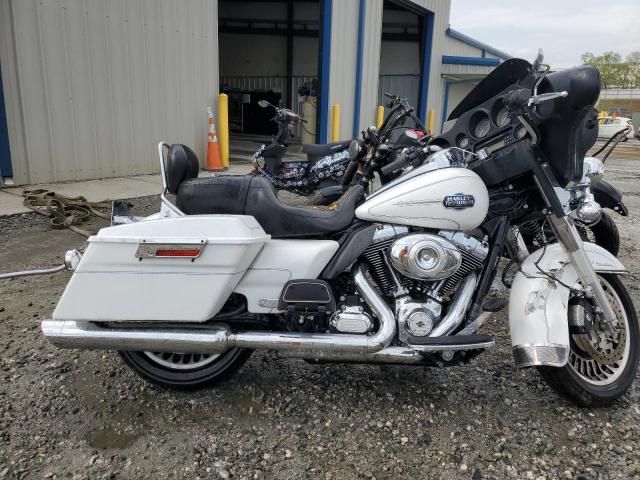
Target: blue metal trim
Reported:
[(483, 62), (427, 42), (325, 64), (475, 43), (362, 15), (6, 169)]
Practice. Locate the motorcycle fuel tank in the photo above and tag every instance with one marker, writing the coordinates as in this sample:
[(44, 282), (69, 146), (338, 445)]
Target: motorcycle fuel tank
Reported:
[(446, 198)]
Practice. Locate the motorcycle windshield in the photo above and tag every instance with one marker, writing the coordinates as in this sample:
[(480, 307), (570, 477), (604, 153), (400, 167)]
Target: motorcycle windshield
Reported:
[(506, 74)]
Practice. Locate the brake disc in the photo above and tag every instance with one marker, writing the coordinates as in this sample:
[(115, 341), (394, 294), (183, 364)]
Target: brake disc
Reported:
[(603, 345)]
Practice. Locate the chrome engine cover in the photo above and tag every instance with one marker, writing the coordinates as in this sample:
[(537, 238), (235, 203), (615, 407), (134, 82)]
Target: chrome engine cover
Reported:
[(351, 319), (424, 256), (415, 318)]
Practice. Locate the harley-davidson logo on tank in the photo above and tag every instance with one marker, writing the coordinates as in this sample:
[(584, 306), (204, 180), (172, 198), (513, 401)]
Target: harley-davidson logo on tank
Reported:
[(459, 201)]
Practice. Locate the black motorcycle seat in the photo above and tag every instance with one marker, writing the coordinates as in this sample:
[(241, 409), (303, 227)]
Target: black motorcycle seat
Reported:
[(255, 196), (316, 150)]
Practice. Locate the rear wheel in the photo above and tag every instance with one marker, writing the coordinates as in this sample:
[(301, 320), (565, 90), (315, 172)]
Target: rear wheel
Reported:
[(186, 371), (602, 363)]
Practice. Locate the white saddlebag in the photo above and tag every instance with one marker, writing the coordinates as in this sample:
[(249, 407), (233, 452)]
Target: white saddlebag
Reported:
[(172, 269)]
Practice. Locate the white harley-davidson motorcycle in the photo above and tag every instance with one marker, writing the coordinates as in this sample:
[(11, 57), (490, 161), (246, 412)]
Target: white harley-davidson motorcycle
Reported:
[(399, 276)]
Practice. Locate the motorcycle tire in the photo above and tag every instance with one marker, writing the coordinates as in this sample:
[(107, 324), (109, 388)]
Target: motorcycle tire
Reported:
[(592, 383), (185, 371), (605, 233)]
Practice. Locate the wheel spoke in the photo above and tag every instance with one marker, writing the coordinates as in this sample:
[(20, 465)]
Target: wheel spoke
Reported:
[(182, 361), (599, 356)]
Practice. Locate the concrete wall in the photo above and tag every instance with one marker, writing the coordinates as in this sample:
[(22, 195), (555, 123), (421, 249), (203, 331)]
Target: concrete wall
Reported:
[(92, 86)]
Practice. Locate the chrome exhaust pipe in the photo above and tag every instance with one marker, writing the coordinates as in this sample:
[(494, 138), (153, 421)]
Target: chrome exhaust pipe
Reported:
[(218, 339), (92, 336), (458, 308), (386, 356)]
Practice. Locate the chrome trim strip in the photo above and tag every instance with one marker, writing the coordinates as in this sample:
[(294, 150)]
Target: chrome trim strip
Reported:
[(453, 348), (553, 355)]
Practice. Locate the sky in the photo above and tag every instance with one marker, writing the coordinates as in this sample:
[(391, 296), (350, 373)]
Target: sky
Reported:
[(564, 29)]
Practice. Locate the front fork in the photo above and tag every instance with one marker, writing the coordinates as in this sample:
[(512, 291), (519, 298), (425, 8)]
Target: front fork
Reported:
[(569, 237)]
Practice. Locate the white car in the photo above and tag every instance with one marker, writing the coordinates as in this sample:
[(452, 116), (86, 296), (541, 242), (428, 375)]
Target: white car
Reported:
[(611, 125)]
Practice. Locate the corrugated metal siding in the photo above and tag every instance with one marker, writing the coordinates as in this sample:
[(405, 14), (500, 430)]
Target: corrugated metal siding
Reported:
[(405, 86), (462, 70), (371, 63), (441, 8), (343, 58), (93, 85), (344, 44), (457, 48)]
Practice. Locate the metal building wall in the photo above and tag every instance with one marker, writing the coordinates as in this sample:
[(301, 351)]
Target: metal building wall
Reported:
[(344, 44), (93, 85), (343, 58), (442, 9), (455, 47), (371, 63)]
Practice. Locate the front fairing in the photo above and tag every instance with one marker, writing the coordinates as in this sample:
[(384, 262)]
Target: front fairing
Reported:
[(508, 73)]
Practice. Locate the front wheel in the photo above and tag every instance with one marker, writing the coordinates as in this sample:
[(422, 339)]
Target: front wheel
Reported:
[(602, 363), (186, 371)]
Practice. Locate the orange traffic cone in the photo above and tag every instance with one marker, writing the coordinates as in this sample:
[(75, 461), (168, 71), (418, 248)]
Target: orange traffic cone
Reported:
[(213, 153)]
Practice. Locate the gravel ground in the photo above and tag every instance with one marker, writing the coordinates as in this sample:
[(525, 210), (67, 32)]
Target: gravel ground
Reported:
[(84, 415)]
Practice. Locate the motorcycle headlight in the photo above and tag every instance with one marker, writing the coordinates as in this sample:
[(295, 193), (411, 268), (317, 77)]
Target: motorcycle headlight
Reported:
[(354, 148)]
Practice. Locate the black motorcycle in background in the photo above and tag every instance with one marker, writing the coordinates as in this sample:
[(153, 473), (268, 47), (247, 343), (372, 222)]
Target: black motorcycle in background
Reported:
[(321, 170)]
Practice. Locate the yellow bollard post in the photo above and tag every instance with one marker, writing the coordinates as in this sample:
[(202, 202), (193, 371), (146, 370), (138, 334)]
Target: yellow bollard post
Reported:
[(335, 127), (379, 116), (223, 127), (431, 120)]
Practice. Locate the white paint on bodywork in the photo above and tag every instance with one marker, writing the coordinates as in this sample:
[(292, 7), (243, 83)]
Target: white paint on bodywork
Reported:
[(281, 261), (111, 285), (538, 305), (418, 201)]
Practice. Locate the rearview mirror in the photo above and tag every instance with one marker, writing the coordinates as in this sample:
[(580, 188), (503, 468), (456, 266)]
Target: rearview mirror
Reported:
[(264, 103)]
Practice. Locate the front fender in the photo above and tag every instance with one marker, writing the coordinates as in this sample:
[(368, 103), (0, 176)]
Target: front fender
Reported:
[(608, 196), (538, 305)]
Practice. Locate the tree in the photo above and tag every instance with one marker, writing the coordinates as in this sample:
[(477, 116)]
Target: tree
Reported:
[(613, 72), (633, 58)]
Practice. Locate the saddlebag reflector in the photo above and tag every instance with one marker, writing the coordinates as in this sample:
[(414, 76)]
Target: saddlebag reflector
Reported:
[(179, 269)]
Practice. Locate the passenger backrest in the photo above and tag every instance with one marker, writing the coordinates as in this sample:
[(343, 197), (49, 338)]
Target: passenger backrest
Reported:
[(182, 164)]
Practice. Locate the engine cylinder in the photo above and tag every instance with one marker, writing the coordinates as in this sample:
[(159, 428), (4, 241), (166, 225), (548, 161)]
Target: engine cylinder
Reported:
[(425, 257)]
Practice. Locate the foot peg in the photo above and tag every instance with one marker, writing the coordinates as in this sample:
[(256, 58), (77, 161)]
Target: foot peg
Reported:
[(453, 343)]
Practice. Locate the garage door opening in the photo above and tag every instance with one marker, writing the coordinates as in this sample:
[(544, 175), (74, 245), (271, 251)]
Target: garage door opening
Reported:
[(269, 50)]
